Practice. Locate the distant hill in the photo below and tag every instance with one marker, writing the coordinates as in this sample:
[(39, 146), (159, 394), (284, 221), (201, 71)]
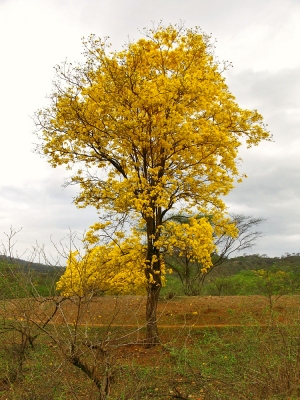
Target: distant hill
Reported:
[(20, 278), (235, 265), (229, 267), (28, 265)]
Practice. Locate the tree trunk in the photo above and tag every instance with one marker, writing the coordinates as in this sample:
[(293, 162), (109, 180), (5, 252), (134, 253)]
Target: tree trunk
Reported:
[(152, 337), (153, 275)]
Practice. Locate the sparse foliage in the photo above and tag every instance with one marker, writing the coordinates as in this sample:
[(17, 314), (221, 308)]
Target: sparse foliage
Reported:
[(274, 284)]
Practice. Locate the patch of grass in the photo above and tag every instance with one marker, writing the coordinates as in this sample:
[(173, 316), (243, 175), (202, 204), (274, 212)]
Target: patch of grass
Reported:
[(172, 288), (247, 362)]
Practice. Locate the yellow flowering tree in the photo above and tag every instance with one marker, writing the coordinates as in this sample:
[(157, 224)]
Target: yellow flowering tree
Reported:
[(149, 127)]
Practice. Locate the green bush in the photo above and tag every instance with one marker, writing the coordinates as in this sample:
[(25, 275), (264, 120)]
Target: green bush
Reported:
[(275, 281)]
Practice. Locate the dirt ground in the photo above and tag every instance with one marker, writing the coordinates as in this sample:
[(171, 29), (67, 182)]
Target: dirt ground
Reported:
[(177, 319), (195, 312)]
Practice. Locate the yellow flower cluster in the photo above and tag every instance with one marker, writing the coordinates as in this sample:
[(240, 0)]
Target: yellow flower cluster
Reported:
[(113, 268), (193, 239)]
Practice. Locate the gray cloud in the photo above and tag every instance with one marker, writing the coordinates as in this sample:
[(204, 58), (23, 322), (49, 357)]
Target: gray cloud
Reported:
[(273, 193), (273, 92), (43, 210), (272, 190), (260, 38)]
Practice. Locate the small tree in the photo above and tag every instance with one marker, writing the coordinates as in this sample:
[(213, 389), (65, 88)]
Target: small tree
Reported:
[(274, 284), (183, 259), (149, 127)]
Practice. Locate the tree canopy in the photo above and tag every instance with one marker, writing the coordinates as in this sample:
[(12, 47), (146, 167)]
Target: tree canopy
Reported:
[(147, 129)]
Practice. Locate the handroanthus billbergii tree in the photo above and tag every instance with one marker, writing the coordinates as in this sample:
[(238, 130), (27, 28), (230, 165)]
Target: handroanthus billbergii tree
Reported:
[(147, 129)]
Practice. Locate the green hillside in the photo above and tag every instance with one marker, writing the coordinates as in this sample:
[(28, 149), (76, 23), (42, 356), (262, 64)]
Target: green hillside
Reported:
[(234, 265), (245, 275), (242, 275), (19, 278)]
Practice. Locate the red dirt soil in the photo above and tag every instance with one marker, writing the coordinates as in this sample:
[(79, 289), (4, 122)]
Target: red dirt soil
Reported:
[(195, 312)]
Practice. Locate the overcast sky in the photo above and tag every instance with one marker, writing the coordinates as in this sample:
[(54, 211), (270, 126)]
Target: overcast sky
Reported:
[(261, 39)]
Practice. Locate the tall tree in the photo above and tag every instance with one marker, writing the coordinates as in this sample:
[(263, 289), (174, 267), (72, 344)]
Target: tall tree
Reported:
[(149, 127)]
